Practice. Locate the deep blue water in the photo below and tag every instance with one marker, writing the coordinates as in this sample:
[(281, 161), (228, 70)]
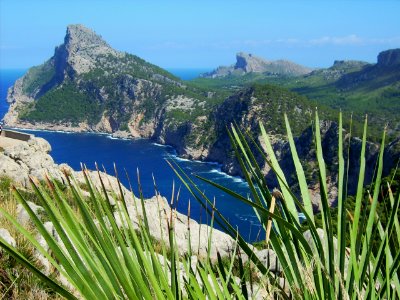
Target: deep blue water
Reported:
[(149, 159)]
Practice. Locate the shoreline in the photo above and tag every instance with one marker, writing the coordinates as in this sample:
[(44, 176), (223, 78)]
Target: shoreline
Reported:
[(218, 166)]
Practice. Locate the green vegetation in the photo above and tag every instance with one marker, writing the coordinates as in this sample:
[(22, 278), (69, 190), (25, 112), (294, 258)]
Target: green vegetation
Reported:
[(321, 268), (105, 261), (352, 87), (64, 104), (37, 77), (16, 281), (274, 101), (234, 83), (383, 208)]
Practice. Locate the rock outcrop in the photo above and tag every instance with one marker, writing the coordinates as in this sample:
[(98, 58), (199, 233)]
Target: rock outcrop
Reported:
[(5, 235), (26, 159), (88, 86), (338, 69), (80, 49), (389, 58), (249, 63)]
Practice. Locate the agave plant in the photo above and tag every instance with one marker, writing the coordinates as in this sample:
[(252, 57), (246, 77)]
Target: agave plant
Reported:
[(95, 257), (324, 268)]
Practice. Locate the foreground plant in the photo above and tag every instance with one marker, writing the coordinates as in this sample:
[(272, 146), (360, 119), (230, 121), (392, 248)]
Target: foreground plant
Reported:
[(98, 254), (102, 259), (324, 268)]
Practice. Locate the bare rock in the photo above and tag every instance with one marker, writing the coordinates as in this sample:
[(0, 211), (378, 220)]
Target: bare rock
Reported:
[(18, 172), (5, 235), (249, 63), (80, 47), (29, 159), (269, 259), (23, 217), (42, 241), (159, 213)]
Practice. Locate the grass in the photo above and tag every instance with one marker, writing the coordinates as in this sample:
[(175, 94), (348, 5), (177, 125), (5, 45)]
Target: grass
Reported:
[(105, 261), (16, 281), (102, 260)]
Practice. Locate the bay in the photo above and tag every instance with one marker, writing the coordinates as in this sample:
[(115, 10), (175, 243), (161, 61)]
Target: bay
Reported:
[(150, 159)]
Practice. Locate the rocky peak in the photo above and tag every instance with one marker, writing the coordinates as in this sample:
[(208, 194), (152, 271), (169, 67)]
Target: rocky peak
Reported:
[(80, 49), (250, 63), (79, 37), (389, 57)]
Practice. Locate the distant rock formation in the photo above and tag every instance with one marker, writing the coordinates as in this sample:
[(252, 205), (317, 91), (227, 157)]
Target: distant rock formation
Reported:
[(249, 63), (346, 65), (389, 57), (338, 69)]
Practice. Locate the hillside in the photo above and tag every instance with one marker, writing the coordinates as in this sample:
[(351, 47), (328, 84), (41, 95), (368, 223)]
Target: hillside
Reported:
[(352, 86), (372, 89)]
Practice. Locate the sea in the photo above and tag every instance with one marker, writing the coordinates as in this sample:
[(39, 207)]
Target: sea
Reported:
[(149, 160)]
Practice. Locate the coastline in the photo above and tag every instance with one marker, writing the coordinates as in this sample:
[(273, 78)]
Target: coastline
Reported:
[(79, 130)]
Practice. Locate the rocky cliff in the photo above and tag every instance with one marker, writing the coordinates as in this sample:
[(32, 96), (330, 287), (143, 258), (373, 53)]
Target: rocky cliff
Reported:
[(249, 63), (389, 58)]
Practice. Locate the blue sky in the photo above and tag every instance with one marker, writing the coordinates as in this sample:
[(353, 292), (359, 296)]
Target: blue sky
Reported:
[(204, 34)]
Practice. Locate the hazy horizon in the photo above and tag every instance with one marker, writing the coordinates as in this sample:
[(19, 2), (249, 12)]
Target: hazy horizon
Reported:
[(183, 35)]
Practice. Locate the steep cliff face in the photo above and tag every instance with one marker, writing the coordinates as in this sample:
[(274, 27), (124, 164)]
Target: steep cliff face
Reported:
[(78, 53), (249, 63), (389, 58)]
